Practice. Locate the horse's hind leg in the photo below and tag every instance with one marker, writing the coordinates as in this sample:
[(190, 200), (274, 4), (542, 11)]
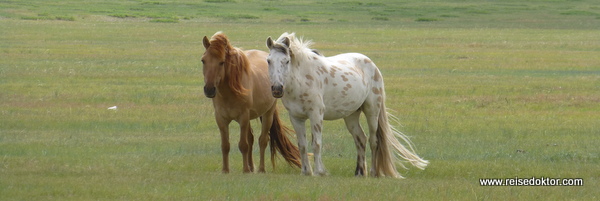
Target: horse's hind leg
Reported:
[(371, 110), (353, 125)]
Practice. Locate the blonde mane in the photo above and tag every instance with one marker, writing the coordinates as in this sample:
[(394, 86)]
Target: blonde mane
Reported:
[(299, 48), (236, 62)]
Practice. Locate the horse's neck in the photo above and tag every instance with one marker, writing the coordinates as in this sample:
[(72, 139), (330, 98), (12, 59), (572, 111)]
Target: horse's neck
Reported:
[(226, 91), (302, 73)]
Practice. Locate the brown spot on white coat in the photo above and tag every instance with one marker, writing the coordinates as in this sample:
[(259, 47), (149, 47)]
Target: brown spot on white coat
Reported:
[(376, 90), (348, 86), (322, 69), (317, 128), (376, 77), (332, 72), (344, 78)]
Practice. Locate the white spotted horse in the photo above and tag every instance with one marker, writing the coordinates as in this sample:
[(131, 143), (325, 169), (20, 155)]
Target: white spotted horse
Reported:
[(319, 88)]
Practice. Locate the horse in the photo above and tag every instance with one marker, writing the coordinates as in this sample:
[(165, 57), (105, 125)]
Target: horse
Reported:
[(237, 82), (315, 87)]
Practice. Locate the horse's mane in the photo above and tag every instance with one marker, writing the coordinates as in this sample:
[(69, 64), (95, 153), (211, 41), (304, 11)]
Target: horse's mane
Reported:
[(236, 62), (298, 47)]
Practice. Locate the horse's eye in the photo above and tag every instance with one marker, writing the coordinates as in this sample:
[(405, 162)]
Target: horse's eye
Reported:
[(269, 61), (222, 63), (287, 62), (203, 61)]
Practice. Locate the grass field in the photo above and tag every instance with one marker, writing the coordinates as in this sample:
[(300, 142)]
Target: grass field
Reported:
[(486, 89)]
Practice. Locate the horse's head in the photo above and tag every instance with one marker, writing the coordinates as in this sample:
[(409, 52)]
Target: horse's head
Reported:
[(213, 61), (279, 63)]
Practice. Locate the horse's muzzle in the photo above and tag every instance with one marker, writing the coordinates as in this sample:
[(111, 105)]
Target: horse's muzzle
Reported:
[(210, 92), (277, 91)]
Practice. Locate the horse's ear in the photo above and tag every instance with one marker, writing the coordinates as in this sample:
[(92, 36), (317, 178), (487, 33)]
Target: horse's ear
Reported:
[(286, 41), (206, 42), (269, 43)]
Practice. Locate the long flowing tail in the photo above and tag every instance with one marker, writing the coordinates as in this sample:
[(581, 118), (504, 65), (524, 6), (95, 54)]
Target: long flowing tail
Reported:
[(390, 150), (279, 141)]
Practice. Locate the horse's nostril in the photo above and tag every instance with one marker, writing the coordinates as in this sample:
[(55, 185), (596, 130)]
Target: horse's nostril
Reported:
[(277, 91), (210, 92)]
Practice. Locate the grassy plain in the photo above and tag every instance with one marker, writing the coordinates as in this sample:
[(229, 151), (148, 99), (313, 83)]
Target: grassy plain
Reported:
[(486, 89)]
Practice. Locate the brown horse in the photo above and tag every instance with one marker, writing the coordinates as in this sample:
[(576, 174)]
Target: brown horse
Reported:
[(238, 83)]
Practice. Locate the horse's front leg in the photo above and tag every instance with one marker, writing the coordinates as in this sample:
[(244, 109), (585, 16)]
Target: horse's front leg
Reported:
[(224, 130), (316, 125), (245, 144), (301, 135), (263, 140)]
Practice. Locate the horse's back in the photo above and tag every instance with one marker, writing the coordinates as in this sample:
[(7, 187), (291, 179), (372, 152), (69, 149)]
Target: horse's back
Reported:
[(258, 63), (356, 59), (261, 86), (257, 58), (347, 85)]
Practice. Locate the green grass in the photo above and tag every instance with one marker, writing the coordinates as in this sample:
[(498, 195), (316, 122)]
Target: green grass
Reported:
[(487, 90)]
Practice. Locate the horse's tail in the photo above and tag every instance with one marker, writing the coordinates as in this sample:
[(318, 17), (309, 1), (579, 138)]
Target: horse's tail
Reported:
[(279, 141), (387, 142)]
